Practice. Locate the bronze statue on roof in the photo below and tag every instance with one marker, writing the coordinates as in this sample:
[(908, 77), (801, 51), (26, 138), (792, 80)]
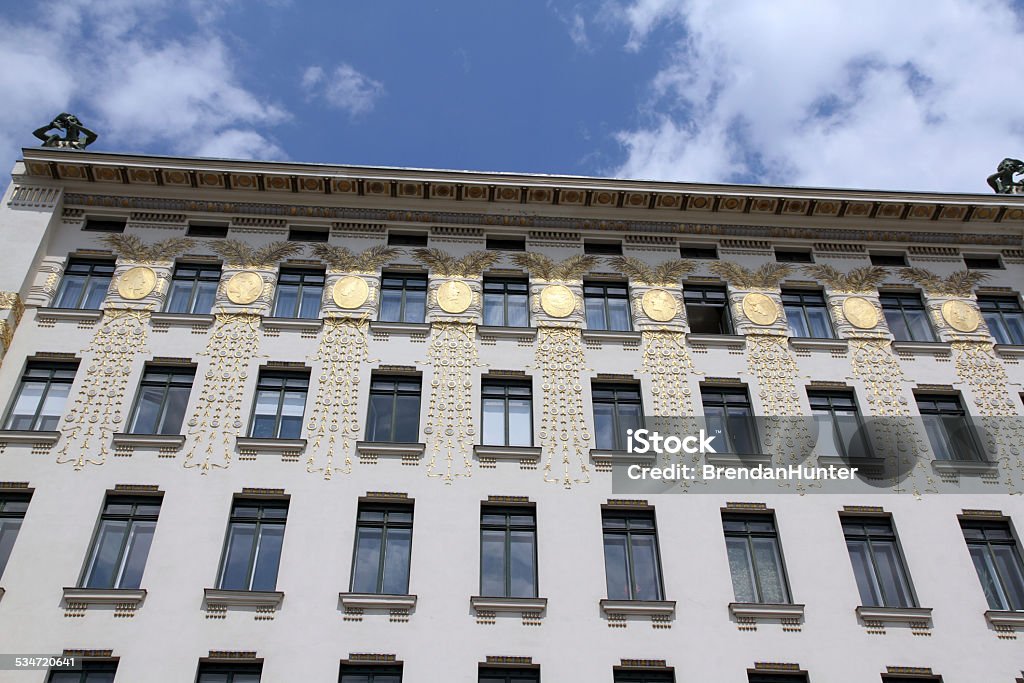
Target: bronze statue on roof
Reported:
[(1002, 180), (73, 131)]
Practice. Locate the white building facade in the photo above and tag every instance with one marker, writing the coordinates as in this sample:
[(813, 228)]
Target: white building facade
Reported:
[(293, 422)]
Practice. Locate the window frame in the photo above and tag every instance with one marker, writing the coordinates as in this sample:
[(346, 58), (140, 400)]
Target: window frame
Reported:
[(229, 668), (504, 282), (1011, 541), (888, 259), (620, 675), (618, 434), (830, 395), (900, 302), (371, 671), (259, 521), (86, 668), (726, 325), (395, 392), (976, 448), (384, 525), (509, 511), (93, 264), (738, 390), (52, 367), (167, 385), (698, 252), (749, 535), (195, 280), (284, 375), (132, 518), (794, 255), (628, 514), (908, 583), (406, 278), (505, 397), (1000, 306), (602, 247), (605, 297), (807, 299), (301, 288), (6, 498)]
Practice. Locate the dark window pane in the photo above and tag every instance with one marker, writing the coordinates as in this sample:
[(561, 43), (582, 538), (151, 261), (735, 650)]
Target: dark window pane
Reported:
[(268, 558), (139, 541), (106, 554), (241, 539), (366, 565), (396, 561), (616, 567)]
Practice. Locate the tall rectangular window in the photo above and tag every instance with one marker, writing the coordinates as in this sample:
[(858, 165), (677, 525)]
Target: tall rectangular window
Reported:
[(877, 562), (252, 552), (162, 400), (193, 288), (383, 549), (840, 430), (607, 306), (42, 393), (772, 677), (280, 405), (508, 675), (948, 426), (642, 676), (997, 560), (1004, 317), (506, 302), (403, 298), (707, 309), (755, 559), (299, 293), (617, 408), (508, 412), (906, 316), (632, 563), (84, 284), (508, 552), (355, 673), (120, 547), (88, 672), (807, 313), (730, 419), (229, 673), (394, 413), (12, 514)]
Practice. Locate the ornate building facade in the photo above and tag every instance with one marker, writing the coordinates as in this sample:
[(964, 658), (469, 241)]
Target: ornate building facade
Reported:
[(294, 422)]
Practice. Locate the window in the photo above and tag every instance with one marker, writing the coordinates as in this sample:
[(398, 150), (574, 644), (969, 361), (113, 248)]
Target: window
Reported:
[(807, 314), (707, 309), (506, 244), (163, 397), (794, 256), (980, 262), (877, 562), (42, 393), (730, 419), (607, 306), (214, 230), (298, 294), (840, 430), (912, 679), (698, 252), (949, 428), (120, 547), (643, 676), (308, 234), (631, 561), (617, 407), (394, 413), (508, 412), (602, 248), (229, 673), (370, 674), (508, 552), (1004, 317), (890, 259), (84, 284), (383, 549), (505, 675), (406, 239), (997, 561), (105, 224), (12, 513), (280, 404), (403, 298), (88, 672), (193, 288), (906, 316), (759, 677), (252, 552), (755, 559), (506, 302)]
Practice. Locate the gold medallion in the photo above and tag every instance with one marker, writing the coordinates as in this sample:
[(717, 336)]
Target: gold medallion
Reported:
[(244, 288), (136, 283), (760, 309), (961, 316), (557, 301), (351, 292), (659, 305), (860, 312), (454, 296)]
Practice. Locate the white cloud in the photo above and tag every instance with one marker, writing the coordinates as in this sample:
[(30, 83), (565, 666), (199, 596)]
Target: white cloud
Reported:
[(344, 88), (871, 94), (240, 144)]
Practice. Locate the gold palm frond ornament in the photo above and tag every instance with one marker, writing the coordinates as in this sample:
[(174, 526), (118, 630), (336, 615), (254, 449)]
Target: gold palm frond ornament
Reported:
[(443, 264), (240, 255), (544, 268), (665, 274), (768, 276), (959, 283), (861, 280), (345, 260), (131, 248)]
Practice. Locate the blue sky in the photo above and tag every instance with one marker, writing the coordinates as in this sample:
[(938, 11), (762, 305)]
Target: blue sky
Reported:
[(910, 95)]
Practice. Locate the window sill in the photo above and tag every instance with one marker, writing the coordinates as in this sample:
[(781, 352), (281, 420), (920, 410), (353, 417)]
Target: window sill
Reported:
[(362, 601), (482, 603), (124, 600), (922, 348), (529, 454), (40, 439), (612, 336), (249, 445), (181, 319), (399, 328), (718, 341), (502, 332), (72, 314), (759, 610), (642, 608), (163, 442), (390, 448), (301, 324), (896, 615), (737, 459), (818, 344), (606, 457), (264, 603), (1005, 618), (964, 467), (1010, 350)]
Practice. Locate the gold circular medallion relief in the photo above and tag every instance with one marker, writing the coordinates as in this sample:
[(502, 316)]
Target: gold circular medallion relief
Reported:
[(659, 305), (351, 292), (454, 296), (244, 288), (760, 309), (860, 312), (136, 283), (557, 301), (961, 316)]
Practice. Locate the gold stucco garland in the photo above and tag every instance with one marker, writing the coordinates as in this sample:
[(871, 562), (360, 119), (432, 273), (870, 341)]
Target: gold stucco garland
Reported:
[(564, 435), (450, 430)]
